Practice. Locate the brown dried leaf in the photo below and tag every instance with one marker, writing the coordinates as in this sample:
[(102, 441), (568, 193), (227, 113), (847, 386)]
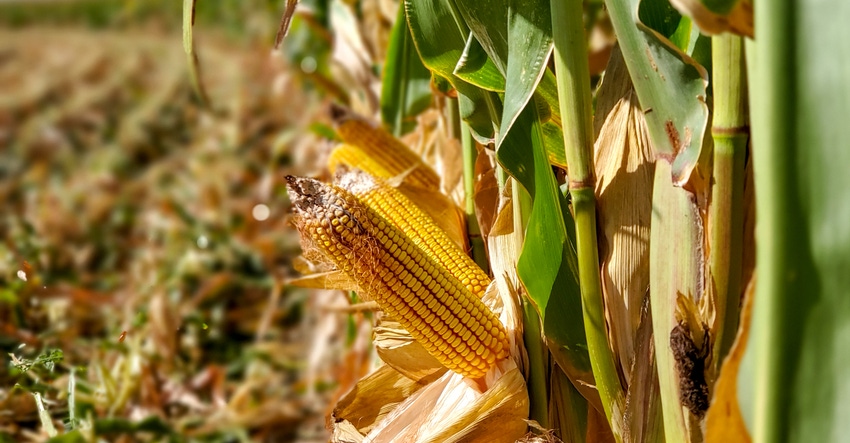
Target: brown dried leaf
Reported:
[(724, 422), (453, 410), (643, 399)]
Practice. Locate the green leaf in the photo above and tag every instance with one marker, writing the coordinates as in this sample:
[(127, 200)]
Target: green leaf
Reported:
[(406, 82), (671, 87), (476, 67), (547, 265), (553, 139), (660, 16), (440, 42), (799, 348), (517, 35), (675, 256)]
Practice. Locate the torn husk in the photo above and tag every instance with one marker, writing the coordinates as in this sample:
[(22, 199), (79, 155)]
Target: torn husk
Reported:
[(450, 409), (370, 401)]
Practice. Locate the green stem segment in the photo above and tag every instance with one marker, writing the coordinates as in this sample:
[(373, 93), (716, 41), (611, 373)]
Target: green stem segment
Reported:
[(576, 111), (726, 212), (470, 154), (538, 386)]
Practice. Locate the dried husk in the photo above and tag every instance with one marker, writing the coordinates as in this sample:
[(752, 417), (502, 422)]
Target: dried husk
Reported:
[(371, 399), (624, 171), (398, 349), (724, 421), (454, 410)]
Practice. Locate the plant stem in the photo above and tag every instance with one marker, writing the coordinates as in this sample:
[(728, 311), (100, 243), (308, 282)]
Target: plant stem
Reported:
[(573, 78), (191, 55), (470, 153), (774, 95), (538, 364), (730, 131)]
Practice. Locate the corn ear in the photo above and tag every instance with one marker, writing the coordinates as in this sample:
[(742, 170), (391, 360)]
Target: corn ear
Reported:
[(454, 325), (377, 152), (423, 230)]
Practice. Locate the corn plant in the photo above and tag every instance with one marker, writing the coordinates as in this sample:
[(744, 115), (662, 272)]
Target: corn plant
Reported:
[(620, 236)]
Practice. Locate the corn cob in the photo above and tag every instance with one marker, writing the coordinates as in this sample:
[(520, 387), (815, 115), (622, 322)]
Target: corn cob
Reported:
[(377, 152), (432, 304), (393, 205)]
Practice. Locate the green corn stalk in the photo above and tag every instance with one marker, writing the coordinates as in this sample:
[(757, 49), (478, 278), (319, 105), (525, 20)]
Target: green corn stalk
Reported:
[(575, 105)]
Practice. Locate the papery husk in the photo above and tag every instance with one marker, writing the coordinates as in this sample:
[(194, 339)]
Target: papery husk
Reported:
[(724, 421), (433, 141), (454, 410), (643, 397), (486, 193), (371, 399), (625, 171), (398, 349)]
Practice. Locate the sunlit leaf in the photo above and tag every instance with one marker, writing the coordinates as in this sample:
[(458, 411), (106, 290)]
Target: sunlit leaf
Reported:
[(440, 44), (671, 87), (518, 38), (406, 83), (548, 265)]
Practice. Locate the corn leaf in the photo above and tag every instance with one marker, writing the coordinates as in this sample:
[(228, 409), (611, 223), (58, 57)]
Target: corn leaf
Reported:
[(440, 43), (799, 348), (675, 273), (671, 87), (476, 67), (547, 265), (518, 38), (406, 82)]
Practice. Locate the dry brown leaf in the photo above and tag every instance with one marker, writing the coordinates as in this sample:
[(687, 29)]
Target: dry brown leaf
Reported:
[(643, 398), (486, 193), (724, 422)]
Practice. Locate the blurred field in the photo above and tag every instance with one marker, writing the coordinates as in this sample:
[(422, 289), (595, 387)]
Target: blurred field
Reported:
[(145, 239)]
